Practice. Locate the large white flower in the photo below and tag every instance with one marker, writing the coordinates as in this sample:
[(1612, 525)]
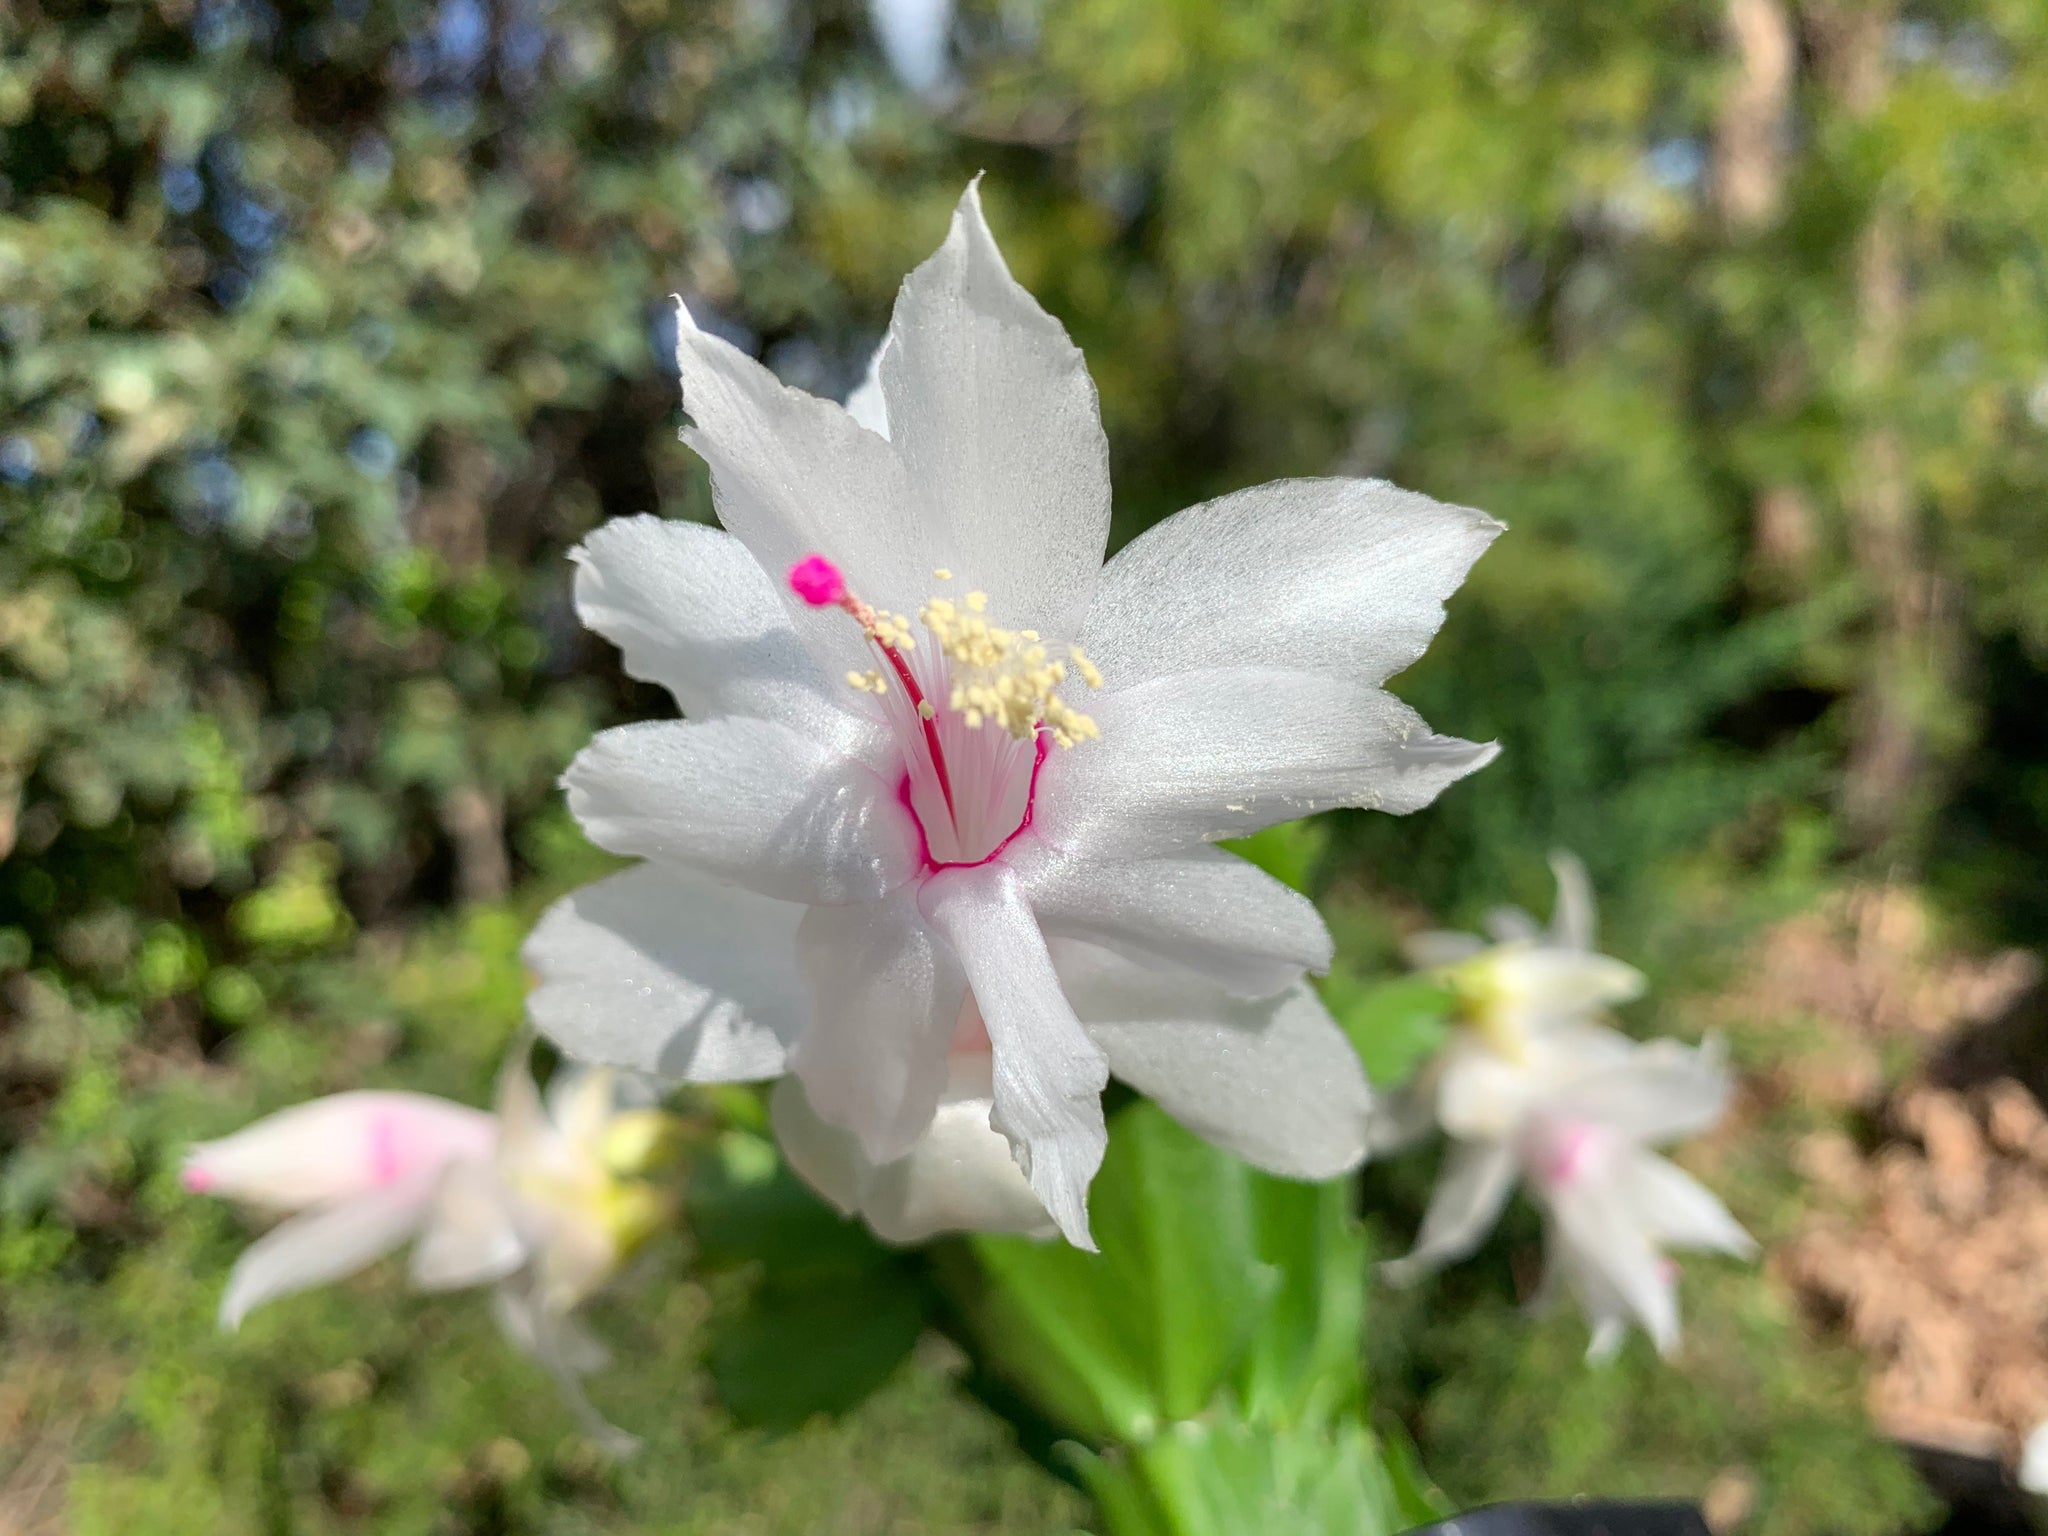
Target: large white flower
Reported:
[(893, 788), (539, 1199), (1532, 1087)]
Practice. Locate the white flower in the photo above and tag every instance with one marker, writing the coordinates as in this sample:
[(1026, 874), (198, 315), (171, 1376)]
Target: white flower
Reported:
[(870, 818), (1528, 1007), (1532, 1088), (537, 1199)]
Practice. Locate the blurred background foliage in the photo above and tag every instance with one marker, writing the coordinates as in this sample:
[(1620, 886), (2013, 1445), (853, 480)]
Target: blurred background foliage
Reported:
[(327, 328)]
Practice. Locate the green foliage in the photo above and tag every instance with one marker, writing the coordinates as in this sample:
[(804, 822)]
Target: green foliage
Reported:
[(363, 1403), (326, 330), (1209, 1354), (825, 1314)]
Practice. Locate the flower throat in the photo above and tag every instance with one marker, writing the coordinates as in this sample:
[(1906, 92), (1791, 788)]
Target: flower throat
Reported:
[(973, 712)]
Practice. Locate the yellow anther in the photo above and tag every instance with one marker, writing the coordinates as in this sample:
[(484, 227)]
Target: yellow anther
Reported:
[(925, 710), (940, 573), (1006, 676), (868, 682)]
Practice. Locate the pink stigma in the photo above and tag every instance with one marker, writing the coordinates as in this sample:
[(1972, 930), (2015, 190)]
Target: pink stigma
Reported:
[(817, 581), (196, 1179)]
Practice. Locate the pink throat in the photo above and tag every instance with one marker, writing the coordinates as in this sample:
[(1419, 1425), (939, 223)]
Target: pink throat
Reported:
[(932, 866), (1571, 1152)]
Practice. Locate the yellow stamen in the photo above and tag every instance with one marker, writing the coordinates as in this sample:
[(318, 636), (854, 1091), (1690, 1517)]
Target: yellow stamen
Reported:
[(1006, 676)]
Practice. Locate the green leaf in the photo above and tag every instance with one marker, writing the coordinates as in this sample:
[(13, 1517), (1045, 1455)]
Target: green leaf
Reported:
[(1289, 852), (1225, 1477), (1303, 1361), (1112, 1344), (817, 1346), (741, 1210), (1394, 1025)]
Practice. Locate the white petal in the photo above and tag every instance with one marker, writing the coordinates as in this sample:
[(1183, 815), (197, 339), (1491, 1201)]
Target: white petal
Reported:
[(793, 476), (992, 411), (1680, 1211), (324, 1245), (1275, 1082), (1574, 921), (1435, 948), (867, 404), (692, 610), (468, 1236), (1204, 755), (336, 1148), (1511, 925), (582, 1101), (1401, 1120), (959, 1177), (1547, 985), (1609, 1332), (1483, 1093), (1340, 576), (1611, 1260), (887, 996), (567, 1352), (526, 1136), (1662, 1092), (1049, 1076), (1471, 1188), (746, 801), (2033, 1472), (826, 1158), (1205, 911), (661, 970)]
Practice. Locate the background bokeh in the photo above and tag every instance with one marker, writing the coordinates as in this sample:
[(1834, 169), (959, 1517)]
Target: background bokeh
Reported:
[(326, 329)]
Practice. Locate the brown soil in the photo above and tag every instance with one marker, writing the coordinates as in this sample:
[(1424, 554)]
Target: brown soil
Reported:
[(1927, 1242)]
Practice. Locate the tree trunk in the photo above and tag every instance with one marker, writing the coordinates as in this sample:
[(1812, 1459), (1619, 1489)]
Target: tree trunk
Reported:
[(1911, 652)]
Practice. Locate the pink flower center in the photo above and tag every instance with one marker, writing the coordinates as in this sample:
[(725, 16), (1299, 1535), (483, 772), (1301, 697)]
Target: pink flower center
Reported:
[(1567, 1153), (973, 709)]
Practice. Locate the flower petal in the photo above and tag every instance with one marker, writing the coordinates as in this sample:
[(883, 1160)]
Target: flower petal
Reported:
[(1471, 1188), (867, 404), (1547, 986), (1681, 1212), (692, 610), (1574, 921), (1340, 576), (1402, 1120), (661, 970), (1205, 911), (567, 1351), (1275, 1082), (468, 1236), (1511, 925), (793, 475), (1482, 1093), (336, 1148), (1203, 755), (992, 411), (325, 1245), (1663, 1091), (1611, 1262), (873, 1059), (746, 801), (1049, 1075), (959, 1177)]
